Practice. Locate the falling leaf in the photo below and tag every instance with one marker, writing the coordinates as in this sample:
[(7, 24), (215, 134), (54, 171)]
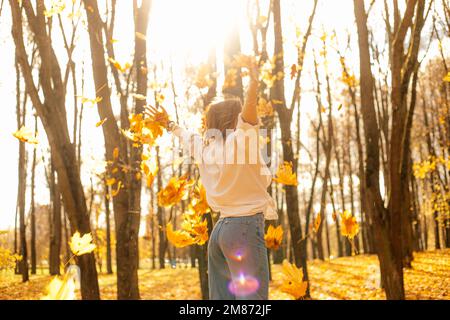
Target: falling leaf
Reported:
[(119, 66), (285, 175), (89, 101), (26, 135), (81, 245), (101, 122), (116, 191), (274, 237), (293, 283), (174, 192), (199, 204), (294, 71), (179, 238), (349, 226), (317, 223), (116, 153)]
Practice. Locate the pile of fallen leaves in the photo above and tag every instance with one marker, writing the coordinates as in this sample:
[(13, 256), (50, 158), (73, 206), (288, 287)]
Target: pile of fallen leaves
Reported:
[(343, 278)]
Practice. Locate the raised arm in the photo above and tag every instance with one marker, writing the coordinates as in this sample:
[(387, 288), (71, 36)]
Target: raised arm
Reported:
[(249, 112), (189, 140)]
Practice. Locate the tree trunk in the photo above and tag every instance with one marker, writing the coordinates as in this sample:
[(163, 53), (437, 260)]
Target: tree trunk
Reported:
[(33, 208), (127, 202), (22, 178), (53, 117), (109, 269), (55, 224), (390, 266), (285, 116), (160, 217)]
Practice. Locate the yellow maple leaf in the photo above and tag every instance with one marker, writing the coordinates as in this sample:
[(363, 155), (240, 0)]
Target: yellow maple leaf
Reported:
[(285, 175), (199, 204), (81, 245), (179, 238), (26, 135), (274, 237), (174, 192), (293, 283), (349, 226)]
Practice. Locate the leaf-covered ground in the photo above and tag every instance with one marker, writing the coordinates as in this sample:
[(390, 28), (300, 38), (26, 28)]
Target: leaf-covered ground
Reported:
[(343, 278)]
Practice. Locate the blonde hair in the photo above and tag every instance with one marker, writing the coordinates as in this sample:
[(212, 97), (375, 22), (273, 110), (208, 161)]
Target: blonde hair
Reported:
[(222, 116)]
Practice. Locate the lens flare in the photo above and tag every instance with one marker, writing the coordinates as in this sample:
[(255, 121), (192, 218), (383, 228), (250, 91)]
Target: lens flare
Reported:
[(238, 255), (243, 285)]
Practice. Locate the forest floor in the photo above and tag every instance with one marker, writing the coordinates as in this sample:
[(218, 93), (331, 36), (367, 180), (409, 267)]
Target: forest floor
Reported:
[(342, 278)]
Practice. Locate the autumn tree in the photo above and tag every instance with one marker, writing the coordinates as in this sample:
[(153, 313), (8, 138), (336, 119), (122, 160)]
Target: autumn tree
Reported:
[(48, 98)]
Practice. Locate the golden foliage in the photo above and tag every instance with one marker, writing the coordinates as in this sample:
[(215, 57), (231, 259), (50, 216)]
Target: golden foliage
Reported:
[(146, 130), (56, 7), (349, 278), (26, 135), (264, 108), (174, 192), (199, 205), (8, 259), (285, 175), (179, 238), (422, 169), (274, 237), (149, 167)]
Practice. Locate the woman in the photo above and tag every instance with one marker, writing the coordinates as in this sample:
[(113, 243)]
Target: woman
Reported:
[(235, 179)]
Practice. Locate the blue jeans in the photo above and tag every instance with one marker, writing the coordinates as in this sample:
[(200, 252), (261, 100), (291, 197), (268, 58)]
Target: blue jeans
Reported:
[(237, 259)]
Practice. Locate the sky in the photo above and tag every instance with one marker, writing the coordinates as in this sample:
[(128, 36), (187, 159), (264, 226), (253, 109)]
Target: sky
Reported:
[(180, 32)]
